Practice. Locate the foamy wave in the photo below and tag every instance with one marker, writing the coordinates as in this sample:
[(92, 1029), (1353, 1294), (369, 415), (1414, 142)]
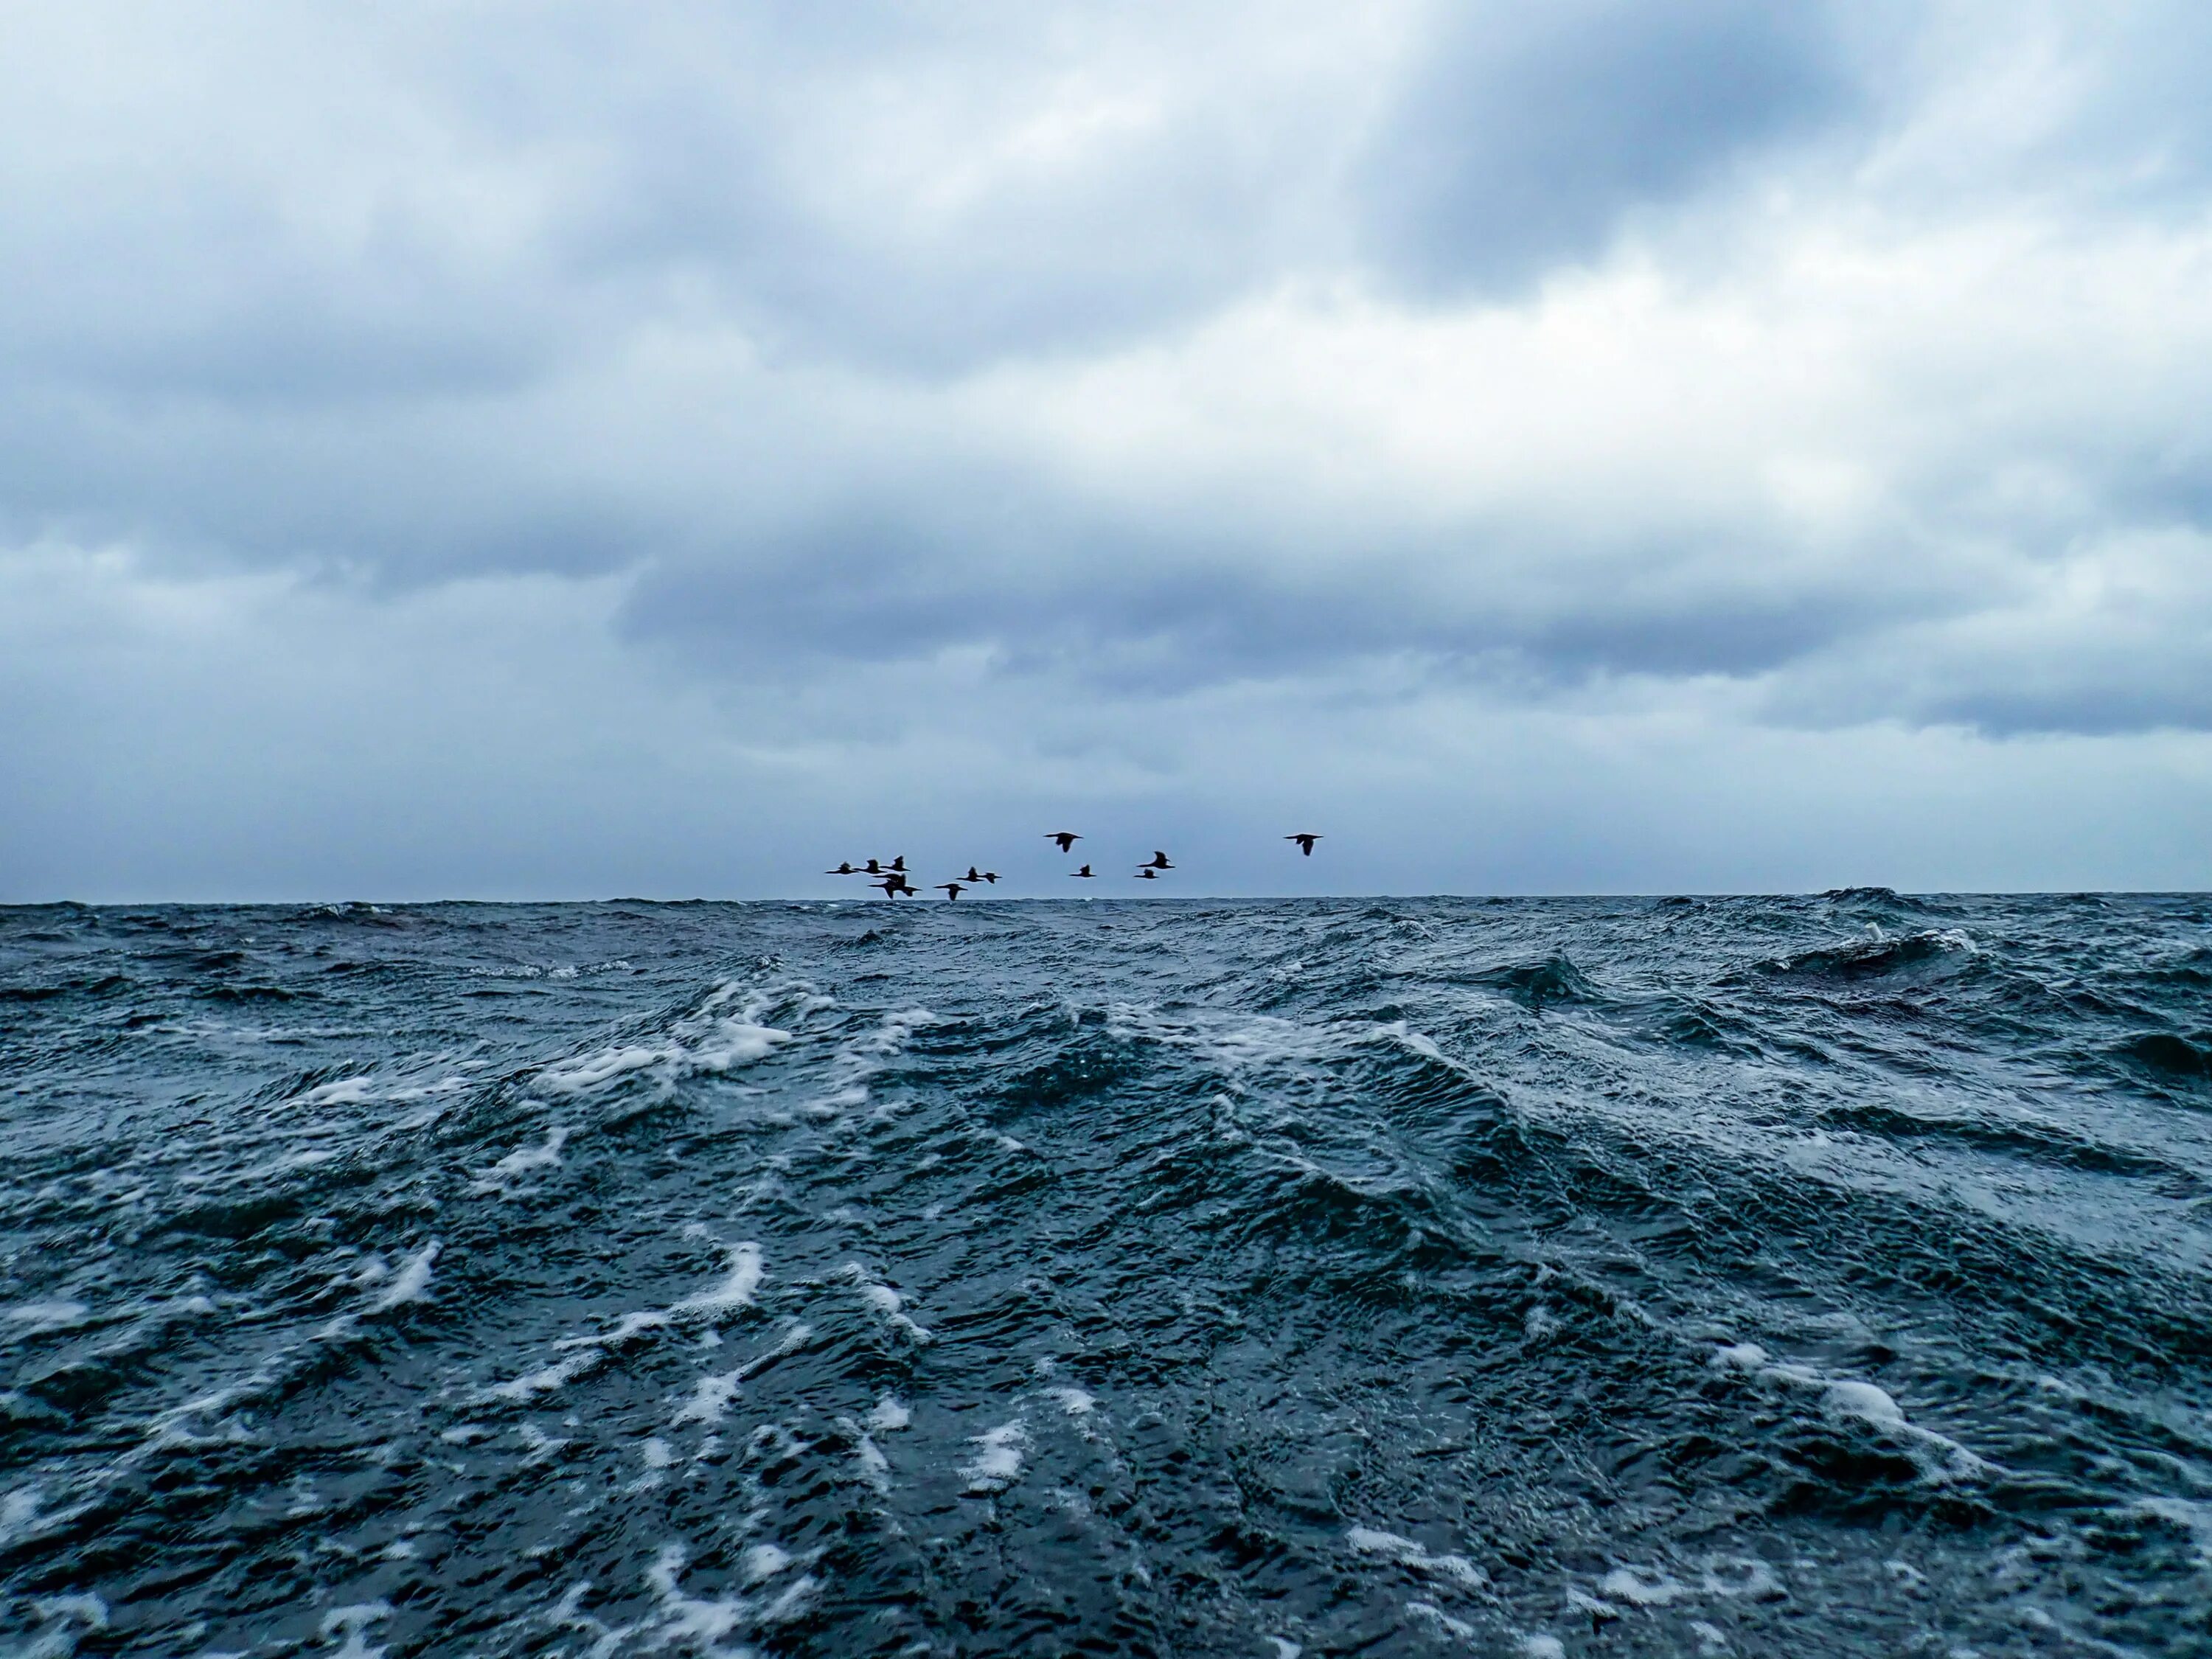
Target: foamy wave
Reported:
[(1370, 1540), (1940, 1459), (706, 1041), (997, 1461), (582, 1355)]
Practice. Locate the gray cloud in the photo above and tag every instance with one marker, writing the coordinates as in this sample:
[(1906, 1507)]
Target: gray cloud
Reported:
[(1528, 132), (1111, 404)]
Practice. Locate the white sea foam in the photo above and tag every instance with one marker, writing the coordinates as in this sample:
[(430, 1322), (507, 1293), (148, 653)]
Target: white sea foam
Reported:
[(501, 1176), (413, 1282), (1074, 1401), (1863, 1400), (1743, 1575), (887, 1303), (1370, 1540), (584, 1354), (350, 1622), (735, 1292), (998, 1464), (706, 1041), (889, 1414), (1429, 1613), (1939, 1458), (1595, 1607), (1541, 1646), (626, 1330), (764, 1561), (543, 1448), (697, 1621), (875, 1467), (1645, 1587), (347, 1091), (547, 1379), (711, 1397)]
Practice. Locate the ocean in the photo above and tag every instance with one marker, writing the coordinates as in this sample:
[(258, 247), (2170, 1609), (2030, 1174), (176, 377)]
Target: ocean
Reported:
[(1752, 1276)]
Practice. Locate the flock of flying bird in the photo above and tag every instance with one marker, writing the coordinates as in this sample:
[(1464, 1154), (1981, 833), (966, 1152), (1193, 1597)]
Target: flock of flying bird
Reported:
[(892, 877)]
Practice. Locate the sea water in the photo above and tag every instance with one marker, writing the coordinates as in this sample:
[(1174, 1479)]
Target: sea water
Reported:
[(1709, 1276)]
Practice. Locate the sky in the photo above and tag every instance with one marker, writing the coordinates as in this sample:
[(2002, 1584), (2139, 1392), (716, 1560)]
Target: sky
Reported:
[(501, 450)]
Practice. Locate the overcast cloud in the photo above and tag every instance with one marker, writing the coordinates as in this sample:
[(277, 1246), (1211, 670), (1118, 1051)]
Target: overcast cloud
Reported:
[(554, 450)]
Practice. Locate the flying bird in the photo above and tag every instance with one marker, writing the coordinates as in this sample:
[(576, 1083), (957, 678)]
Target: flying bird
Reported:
[(874, 868), (1305, 842), (991, 876), (894, 886), (897, 863), (1145, 873), (1160, 861), (1083, 874), (844, 868), (952, 889), (1066, 838), (973, 876)]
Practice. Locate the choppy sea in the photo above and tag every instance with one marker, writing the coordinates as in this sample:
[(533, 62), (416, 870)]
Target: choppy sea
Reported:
[(1784, 1276)]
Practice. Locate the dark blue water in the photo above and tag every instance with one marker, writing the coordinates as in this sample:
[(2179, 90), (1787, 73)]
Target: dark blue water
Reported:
[(1747, 1276)]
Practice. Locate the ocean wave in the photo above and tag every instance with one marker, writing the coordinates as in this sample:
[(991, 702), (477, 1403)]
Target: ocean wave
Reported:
[(1206, 1278)]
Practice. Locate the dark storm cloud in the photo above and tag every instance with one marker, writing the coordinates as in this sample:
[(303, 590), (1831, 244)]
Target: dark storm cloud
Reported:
[(1528, 132), (1034, 585)]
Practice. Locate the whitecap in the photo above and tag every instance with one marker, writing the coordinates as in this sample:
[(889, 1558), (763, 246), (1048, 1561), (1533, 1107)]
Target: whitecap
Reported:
[(413, 1283), (1646, 1587), (735, 1292), (347, 1091), (350, 1622), (764, 1561), (887, 1302), (1863, 1400), (502, 1174), (1444, 1621), (1939, 1458), (710, 1400), (688, 1618), (706, 1041), (1370, 1540), (998, 1464)]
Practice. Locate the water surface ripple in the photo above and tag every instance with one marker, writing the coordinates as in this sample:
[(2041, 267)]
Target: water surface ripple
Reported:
[(1750, 1276)]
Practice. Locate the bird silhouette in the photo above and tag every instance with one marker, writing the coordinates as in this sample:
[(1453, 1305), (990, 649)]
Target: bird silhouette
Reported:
[(1066, 838), (952, 889), (1305, 842), (991, 876), (973, 875), (894, 886), (1160, 861), (874, 868), (1084, 874), (897, 863), (1145, 873), (844, 868)]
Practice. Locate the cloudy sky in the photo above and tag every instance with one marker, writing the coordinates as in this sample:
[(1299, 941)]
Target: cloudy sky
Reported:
[(504, 449)]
